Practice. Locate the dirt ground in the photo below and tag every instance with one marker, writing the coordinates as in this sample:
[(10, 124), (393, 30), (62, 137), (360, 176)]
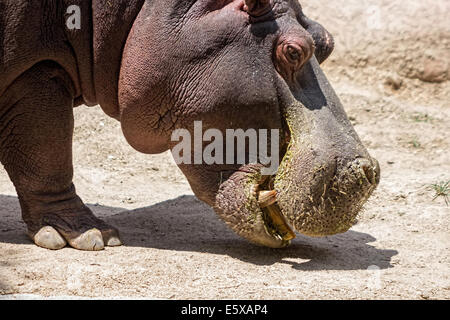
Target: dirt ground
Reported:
[(391, 68)]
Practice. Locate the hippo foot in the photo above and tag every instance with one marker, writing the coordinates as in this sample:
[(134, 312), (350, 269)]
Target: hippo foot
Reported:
[(82, 231)]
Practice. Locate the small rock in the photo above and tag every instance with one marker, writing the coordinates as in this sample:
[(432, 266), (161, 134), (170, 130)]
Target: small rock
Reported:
[(434, 71), (394, 81)]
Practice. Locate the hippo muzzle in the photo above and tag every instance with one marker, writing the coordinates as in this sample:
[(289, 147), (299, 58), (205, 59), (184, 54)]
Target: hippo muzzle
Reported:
[(325, 176)]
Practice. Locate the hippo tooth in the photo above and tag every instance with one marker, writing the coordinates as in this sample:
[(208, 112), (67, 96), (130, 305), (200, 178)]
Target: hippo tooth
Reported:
[(267, 201), (280, 223), (267, 198)]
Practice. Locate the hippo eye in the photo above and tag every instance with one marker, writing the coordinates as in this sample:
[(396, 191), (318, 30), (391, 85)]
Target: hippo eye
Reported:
[(294, 55)]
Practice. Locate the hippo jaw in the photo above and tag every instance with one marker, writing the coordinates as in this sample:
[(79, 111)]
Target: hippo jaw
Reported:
[(327, 202), (296, 207)]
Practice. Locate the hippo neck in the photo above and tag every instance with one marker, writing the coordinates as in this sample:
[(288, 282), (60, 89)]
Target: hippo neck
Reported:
[(111, 23)]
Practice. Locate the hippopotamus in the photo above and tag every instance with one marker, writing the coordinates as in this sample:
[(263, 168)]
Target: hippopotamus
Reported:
[(158, 66)]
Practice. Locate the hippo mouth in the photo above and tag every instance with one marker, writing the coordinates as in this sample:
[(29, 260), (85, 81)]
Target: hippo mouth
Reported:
[(331, 210), (318, 190), (312, 212), (313, 193)]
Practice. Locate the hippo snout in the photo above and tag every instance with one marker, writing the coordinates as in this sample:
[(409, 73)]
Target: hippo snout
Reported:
[(326, 199), (325, 177)]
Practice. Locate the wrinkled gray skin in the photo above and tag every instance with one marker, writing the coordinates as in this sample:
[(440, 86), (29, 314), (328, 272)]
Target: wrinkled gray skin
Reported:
[(160, 65)]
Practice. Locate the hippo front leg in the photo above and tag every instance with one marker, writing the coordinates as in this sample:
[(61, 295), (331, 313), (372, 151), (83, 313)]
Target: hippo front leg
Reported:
[(36, 127)]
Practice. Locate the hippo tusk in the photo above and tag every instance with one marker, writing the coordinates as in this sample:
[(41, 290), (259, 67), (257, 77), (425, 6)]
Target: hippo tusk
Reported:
[(277, 223), (267, 198)]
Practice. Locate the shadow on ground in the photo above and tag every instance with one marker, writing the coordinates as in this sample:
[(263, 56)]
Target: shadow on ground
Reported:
[(186, 224)]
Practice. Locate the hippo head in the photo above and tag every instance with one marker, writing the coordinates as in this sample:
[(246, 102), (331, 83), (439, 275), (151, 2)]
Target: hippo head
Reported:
[(250, 65)]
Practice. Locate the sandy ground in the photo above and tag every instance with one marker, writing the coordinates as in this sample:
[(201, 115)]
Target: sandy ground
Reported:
[(176, 247)]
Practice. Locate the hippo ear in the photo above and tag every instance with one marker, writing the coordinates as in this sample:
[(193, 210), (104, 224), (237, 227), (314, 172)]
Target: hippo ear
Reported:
[(257, 8), (323, 39)]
